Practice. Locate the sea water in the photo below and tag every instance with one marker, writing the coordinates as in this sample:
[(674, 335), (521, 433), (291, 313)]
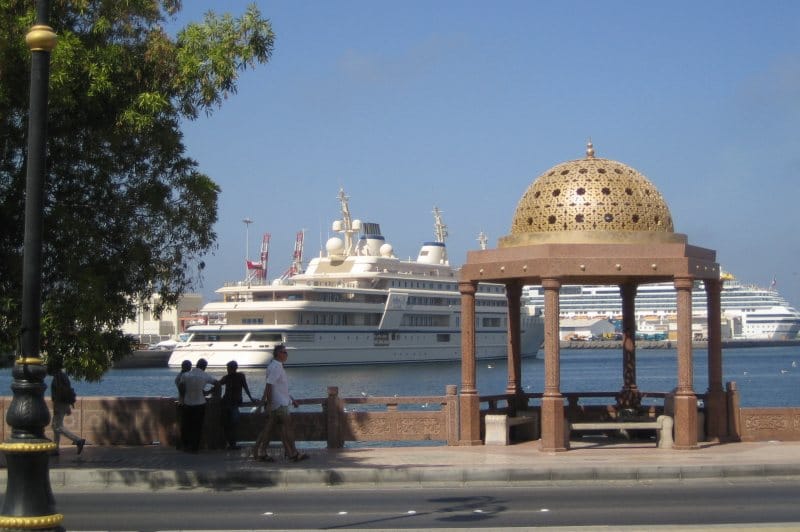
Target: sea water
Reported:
[(765, 376)]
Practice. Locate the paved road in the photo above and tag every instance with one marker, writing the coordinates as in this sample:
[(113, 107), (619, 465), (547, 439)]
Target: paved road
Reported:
[(638, 505)]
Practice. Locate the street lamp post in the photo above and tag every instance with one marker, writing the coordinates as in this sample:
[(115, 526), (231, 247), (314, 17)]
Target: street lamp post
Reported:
[(29, 502)]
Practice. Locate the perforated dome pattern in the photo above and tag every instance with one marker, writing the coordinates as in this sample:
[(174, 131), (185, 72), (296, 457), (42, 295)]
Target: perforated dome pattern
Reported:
[(591, 195)]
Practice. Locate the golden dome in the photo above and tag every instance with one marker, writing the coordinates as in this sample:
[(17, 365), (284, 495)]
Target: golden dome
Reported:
[(590, 200)]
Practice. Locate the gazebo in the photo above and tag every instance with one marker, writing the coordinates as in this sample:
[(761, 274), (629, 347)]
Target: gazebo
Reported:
[(594, 221)]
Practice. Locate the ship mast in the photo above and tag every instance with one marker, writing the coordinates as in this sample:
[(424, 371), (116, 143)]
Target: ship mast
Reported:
[(440, 231), (439, 227), (347, 223)]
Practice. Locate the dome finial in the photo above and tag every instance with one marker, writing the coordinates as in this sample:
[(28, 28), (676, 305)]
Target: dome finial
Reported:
[(589, 149)]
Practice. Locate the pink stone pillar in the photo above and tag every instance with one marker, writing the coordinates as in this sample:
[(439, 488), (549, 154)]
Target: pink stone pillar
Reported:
[(716, 403), (553, 438), (513, 388), (685, 399), (469, 402)]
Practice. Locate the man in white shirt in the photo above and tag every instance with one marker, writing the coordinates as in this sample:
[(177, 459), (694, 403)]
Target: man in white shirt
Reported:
[(276, 401), (194, 384)]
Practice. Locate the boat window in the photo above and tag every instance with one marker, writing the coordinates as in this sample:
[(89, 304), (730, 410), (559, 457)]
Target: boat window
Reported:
[(443, 337), (491, 322), (265, 337), (217, 336)]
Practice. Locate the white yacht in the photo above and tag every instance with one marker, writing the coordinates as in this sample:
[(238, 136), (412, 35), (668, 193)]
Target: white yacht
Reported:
[(358, 304), (749, 312)]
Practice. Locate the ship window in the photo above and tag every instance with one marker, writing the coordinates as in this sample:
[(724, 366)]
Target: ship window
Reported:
[(491, 322), (218, 337), (443, 337), (265, 337)]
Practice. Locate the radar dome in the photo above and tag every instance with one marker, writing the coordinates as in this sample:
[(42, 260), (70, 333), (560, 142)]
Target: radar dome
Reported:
[(387, 250), (334, 246)]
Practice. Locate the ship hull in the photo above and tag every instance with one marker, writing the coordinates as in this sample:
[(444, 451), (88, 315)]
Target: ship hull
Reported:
[(336, 348)]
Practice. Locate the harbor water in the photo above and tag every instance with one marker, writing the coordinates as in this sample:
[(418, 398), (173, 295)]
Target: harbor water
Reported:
[(766, 376)]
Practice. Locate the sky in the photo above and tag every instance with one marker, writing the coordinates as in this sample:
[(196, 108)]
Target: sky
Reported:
[(415, 104)]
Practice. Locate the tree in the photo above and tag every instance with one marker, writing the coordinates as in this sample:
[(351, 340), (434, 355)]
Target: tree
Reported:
[(127, 213)]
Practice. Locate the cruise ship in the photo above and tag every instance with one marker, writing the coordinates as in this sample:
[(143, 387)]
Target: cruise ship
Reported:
[(357, 304), (748, 312)]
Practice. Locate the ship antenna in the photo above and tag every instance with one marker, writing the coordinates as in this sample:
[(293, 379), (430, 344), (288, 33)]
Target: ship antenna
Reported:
[(347, 222)]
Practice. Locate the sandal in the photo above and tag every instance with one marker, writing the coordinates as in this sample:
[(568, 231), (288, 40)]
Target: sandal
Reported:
[(265, 458), (298, 457)]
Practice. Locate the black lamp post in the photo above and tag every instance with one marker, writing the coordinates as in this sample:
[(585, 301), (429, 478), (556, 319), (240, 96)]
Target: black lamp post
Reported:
[(29, 502)]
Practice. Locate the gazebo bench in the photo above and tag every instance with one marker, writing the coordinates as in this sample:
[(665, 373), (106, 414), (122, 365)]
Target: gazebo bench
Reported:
[(498, 426), (662, 425)]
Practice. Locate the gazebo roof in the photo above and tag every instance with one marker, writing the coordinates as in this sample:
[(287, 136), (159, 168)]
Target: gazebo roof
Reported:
[(591, 221)]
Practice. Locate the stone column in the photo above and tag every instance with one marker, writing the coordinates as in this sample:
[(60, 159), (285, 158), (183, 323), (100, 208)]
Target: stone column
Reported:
[(469, 402), (685, 399), (716, 404), (552, 401), (629, 397), (514, 296)]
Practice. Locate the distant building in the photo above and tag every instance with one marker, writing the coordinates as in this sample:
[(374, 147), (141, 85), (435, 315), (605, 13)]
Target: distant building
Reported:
[(585, 328), (147, 329)]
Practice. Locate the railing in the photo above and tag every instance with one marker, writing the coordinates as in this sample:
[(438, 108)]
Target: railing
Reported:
[(335, 420)]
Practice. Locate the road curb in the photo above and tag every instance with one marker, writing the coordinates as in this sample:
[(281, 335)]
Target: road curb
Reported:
[(395, 477)]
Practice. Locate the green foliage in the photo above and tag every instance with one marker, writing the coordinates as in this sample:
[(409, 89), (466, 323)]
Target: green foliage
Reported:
[(127, 213)]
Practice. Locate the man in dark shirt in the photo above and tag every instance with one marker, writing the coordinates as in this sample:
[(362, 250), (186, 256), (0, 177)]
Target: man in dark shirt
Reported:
[(234, 383)]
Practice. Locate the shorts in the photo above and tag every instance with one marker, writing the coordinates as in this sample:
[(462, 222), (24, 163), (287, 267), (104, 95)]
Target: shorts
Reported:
[(281, 414)]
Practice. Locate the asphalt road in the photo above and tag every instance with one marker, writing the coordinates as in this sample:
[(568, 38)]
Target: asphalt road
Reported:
[(567, 504)]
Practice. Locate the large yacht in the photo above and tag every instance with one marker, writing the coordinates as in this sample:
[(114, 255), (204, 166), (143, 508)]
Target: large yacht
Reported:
[(749, 312), (358, 304)]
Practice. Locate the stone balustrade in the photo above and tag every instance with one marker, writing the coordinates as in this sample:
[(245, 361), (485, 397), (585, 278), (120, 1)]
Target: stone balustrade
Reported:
[(336, 420)]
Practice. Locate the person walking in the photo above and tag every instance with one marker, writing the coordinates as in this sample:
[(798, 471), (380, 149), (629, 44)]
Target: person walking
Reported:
[(63, 396), (234, 382), (193, 412), (276, 400)]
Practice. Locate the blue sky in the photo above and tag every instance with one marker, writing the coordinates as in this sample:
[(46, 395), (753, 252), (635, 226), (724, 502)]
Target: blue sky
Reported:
[(461, 105)]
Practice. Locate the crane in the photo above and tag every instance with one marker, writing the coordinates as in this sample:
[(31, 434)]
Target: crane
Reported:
[(257, 271), (297, 257)]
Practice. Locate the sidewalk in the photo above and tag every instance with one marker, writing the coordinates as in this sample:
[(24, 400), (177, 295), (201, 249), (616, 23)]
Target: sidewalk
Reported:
[(155, 467)]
